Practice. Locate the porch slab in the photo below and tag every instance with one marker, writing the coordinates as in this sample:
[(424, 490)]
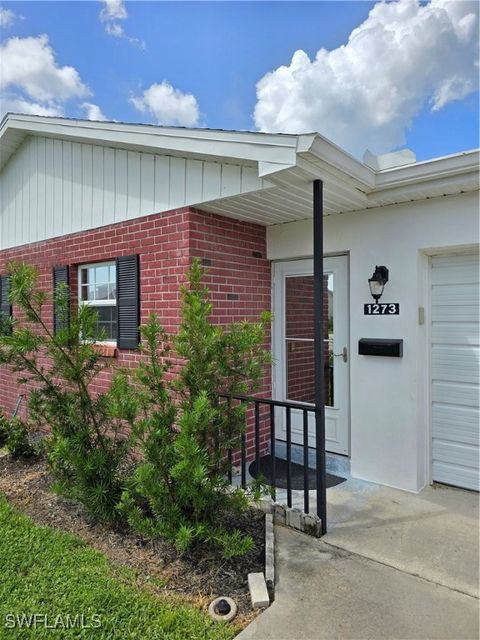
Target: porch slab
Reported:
[(433, 534), (327, 592)]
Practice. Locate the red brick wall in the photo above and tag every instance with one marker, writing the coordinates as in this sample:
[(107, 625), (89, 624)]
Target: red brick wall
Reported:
[(234, 253), (239, 279)]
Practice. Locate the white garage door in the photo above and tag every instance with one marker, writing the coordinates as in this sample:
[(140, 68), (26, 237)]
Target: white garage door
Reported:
[(455, 370)]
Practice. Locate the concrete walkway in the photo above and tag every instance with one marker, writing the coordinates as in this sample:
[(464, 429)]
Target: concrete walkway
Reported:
[(393, 565)]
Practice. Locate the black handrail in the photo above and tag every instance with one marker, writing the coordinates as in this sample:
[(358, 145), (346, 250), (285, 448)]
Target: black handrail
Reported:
[(276, 403), (288, 407)]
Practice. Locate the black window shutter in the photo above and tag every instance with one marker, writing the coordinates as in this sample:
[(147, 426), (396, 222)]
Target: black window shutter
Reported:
[(60, 275), (5, 306), (128, 302)]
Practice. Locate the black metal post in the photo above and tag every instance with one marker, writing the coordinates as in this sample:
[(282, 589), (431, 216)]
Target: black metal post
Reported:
[(273, 475), (289, 456), (257, 438), (306, 492), (319, 352)]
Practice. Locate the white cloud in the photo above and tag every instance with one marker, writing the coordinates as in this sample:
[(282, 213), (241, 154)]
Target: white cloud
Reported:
[(7, 18), (115, 29), (168, 105), (113, 11), (367, 92), (29, 64), (93, 111), (31, 80), (15, 104)]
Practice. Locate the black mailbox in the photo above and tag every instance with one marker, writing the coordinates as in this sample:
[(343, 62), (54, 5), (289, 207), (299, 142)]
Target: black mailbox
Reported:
[(392, 347)]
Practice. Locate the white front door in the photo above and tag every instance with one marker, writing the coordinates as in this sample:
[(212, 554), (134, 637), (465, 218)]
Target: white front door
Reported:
[(293, 348)]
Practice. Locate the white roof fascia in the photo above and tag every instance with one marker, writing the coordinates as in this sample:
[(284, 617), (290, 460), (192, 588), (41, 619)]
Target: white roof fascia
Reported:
[(451, 185), (323, 159), (336, 158), (429, 170), (243, 147)]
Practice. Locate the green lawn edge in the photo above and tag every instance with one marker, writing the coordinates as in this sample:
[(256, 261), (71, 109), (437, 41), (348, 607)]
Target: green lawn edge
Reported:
[(47, 572)]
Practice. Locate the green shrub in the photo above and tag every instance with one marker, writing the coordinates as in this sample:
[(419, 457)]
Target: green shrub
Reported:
[(14, 436), (180, 490), (17, 442), (3, 429), (86, 449), (176, 422)]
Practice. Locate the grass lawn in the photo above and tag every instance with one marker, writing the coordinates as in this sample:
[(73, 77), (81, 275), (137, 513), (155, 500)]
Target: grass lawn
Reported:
[(60, 578)]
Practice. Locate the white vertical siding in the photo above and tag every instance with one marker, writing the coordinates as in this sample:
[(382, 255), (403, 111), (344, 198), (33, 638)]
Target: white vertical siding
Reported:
[(49, 189), (87, 186), (133, 185), (57, 185), (162, 183), (121, 185), (52, 187), (108, 186), (97, 186), (147, 184), (41, 211)]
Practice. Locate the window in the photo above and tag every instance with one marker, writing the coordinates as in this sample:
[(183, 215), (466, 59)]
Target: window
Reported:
[(98, 288)]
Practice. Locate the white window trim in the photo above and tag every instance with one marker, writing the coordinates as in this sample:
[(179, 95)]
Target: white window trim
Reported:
[(96, 303)]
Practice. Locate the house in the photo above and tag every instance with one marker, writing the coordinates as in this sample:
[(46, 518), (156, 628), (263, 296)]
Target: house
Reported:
[(119, 210)]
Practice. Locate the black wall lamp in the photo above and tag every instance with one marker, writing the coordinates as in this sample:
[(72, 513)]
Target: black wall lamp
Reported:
[(377, 282)]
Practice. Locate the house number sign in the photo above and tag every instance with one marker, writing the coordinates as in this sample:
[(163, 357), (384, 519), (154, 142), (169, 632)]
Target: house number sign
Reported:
[(381, 309)]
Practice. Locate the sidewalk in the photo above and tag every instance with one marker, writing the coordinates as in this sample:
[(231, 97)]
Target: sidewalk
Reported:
[(393, 566)]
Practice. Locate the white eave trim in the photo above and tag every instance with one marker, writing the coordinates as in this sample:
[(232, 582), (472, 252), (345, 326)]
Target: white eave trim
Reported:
[(243, 147), (436, 169)]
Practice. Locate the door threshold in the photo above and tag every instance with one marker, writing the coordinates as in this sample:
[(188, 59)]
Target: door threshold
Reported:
[(336, 463)]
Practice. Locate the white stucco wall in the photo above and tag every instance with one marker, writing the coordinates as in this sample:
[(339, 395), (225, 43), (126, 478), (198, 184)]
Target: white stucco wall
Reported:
[(390, 435)]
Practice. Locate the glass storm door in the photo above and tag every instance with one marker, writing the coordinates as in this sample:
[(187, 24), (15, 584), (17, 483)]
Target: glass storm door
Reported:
[(293, 346)]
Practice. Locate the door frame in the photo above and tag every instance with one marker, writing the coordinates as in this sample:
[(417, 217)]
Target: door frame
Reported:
[(278, 339)]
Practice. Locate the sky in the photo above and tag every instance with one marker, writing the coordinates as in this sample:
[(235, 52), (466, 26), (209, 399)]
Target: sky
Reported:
[(376, 75)]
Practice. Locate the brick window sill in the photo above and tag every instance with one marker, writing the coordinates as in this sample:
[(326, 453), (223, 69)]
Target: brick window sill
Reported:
[(106, 350)]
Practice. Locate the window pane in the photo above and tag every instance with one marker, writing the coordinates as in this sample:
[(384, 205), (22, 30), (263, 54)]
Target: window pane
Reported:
[(106, 314), (84, 292), (299, 347), (107, 321), (300, 371), (299, 307), (112, 291), (101, 292), (84, 278), (328, 294), (101, 274)]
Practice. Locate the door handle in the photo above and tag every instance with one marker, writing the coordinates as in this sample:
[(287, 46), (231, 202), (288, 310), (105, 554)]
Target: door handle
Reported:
[(343, 355)]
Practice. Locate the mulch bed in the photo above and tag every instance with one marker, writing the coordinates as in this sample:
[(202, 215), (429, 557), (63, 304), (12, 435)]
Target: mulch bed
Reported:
[(197, 576)]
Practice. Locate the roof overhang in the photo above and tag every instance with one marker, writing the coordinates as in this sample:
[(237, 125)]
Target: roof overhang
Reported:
[(244, 147), (288, 163)]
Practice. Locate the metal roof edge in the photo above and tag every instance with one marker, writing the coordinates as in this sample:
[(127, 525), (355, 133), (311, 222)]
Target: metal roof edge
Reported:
[(240, 146)]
